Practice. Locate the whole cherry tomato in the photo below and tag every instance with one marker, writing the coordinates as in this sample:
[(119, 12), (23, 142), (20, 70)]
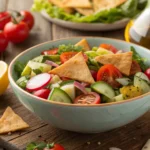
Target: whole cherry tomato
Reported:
[(4, 19), (27, 18), (16, 32), (57, 147), (3, 41)]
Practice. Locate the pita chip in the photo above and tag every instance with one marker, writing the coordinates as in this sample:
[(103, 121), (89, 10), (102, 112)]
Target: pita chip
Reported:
[(122, 61), (100, 5), (84, 43), (10, 122), (77, 3), (75, 68), (60, 4), (85, 11)]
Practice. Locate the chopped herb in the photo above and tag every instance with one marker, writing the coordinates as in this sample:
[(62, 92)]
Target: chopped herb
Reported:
[(18, 67), (139, 59), (68, 48)]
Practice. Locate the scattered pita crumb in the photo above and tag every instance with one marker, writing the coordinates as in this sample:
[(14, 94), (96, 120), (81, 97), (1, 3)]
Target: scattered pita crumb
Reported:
[(114, 148), (147, 145), (88, 143), (99, 143), (10, 122), (9, 133)]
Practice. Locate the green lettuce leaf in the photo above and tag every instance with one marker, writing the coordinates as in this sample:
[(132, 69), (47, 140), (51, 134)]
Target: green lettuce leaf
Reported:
[(127, 10)]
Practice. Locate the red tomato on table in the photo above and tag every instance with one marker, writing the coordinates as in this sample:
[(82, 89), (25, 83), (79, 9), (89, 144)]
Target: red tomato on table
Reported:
[(16, 32), (57, 147), (5, 17), (109, 74), (3, 42)]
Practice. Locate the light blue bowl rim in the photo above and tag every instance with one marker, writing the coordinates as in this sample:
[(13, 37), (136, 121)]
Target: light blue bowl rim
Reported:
[(67, 104)]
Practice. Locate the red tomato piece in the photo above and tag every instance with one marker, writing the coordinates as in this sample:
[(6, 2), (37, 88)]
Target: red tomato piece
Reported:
[(3, 42), (109, 47), (135, 67), (42, 93), (16, 32), (67, 55), (52, 51), (89, 98), (57, 147), (147, 72), (109, 74), (5, 17), (27, 18)]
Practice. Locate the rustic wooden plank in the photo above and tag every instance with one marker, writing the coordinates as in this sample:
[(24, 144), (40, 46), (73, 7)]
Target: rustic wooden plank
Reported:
[(130, 137), (41, 32), (61, 32)]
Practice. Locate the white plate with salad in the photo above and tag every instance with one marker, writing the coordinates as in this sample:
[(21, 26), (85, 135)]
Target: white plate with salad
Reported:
[(95, 15)]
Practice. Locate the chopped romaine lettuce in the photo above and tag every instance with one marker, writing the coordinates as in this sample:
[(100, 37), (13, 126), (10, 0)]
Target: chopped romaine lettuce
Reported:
[(139, 59), (23, 81), (18, 67)]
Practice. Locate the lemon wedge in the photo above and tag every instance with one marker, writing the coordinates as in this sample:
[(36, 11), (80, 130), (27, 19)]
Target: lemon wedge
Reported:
[(4, 82), (126, 33)]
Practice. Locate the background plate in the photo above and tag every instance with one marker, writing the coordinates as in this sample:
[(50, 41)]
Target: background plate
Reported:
[(87, 26)]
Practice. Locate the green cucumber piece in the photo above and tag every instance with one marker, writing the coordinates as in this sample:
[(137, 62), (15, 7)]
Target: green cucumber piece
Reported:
[(66, 82), (123, 81), (22, 81), (103, 88), (142, 76), (142, 84), (55, 79), (118, 98), (58, 95), (88, 89), (69, 89)]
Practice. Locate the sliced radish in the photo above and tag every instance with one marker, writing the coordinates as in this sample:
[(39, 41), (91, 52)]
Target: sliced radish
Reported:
[(51, 63), (38, 82), (42, 93), (80, 87)]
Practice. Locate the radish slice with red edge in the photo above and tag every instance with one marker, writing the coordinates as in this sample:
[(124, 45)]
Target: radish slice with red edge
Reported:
[(42, 93), (38, 82), (48, 62), (80, 87)]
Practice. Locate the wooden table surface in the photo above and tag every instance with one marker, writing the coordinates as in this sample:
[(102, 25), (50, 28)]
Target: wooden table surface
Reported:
[(130, 137)]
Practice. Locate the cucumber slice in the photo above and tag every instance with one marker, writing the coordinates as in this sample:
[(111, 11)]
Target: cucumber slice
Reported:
[(103, 88), (66, 82), (118, 98), (105, 99), (26, 71), (54, 85), (70, 90), (88, 89), (142, 84), (38, 59), (142, 76), (55, 79), (124, 81), (58, 95)]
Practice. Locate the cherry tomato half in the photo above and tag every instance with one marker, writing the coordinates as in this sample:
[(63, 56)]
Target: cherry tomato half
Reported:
[(109, 73), (67, 55), (50, 52), (147, 72), (42, 93), (4, 19), (109, 47), (27, 18), (3, 42), (57, 147), (16, 32), (89, 98), (135, 67)]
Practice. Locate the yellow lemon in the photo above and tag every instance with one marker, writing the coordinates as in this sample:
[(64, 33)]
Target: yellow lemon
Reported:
[(126, 33), (4, 82)]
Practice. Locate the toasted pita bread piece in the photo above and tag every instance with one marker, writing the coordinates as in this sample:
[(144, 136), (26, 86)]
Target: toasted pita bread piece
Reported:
[(84, 43), (85, 11), (75, 68), (77, 3), (10, 122), (121, 61), (60, 4), (100, 5)]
